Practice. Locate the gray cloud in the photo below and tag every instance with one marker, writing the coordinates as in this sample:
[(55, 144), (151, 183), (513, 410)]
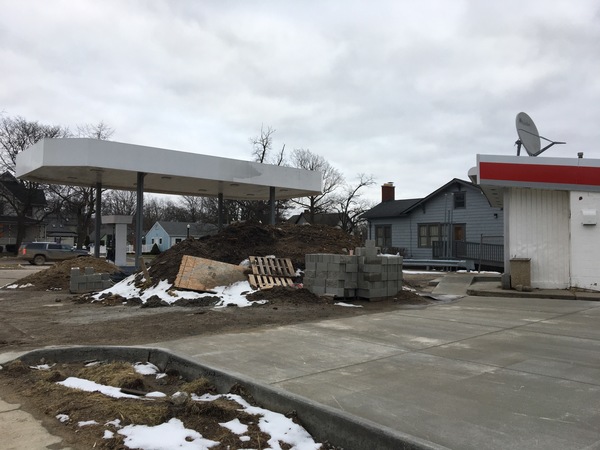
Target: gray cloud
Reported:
[(407, 91)]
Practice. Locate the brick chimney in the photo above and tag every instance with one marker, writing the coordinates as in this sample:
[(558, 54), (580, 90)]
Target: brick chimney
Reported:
[(388, 192)]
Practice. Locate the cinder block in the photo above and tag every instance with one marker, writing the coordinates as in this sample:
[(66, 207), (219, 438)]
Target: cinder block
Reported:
[(322, 266), (373, 260), (334, 284), (309, 273), (310, 265), (372, 277), (321, 274), (317, 281), (89, 270), (370, 268), (349, 293), (351, 268), (333, 267)]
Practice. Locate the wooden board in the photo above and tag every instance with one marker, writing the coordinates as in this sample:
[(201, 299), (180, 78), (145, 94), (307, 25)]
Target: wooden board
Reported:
[(277, 267), (200, 274), (267, 282)]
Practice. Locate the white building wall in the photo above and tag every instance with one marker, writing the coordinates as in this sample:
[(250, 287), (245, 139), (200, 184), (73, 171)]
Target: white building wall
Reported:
[(539, 229), (585, 241)]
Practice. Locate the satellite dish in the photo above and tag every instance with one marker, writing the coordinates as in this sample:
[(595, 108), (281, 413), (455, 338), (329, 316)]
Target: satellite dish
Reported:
[(529, 136)]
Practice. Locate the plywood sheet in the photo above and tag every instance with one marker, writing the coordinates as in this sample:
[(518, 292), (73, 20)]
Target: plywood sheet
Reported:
[(200, 274)]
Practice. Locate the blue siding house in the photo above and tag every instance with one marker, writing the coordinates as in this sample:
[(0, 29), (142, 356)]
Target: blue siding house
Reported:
[(167, 234), (455, 221)]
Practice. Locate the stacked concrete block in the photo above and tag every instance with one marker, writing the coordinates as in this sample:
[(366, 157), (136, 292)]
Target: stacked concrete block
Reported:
[(88, 281), (364, 274), (335, 275)]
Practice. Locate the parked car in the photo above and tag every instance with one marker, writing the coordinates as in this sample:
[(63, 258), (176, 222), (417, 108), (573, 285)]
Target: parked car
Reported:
[(39, 252)]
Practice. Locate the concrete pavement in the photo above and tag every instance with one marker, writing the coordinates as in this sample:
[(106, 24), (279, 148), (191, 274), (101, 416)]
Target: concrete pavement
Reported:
[(477, 373)]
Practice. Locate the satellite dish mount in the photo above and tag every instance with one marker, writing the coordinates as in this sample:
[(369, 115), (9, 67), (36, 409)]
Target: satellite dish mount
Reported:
[(529, 136)]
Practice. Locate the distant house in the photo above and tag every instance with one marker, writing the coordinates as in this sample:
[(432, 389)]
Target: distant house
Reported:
[(455, 221), (331, 219), (13, 193), (61, 229), (167, 234)]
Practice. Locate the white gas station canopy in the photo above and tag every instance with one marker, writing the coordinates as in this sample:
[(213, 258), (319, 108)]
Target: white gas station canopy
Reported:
[(86, 162)]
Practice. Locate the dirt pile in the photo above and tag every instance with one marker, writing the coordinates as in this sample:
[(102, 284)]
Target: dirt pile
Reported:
[(58, 276), (239, 241)]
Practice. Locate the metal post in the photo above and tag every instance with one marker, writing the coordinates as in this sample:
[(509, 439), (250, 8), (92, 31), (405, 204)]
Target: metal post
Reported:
[(98, 221), (188, 230), (139, 222), (272, 205), (220, 211)]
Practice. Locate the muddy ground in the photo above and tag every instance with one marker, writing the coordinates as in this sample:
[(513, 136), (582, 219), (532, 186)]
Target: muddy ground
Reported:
[(44, 312)]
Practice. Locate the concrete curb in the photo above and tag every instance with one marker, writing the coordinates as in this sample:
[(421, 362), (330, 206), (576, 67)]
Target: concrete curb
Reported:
[(323, 422)]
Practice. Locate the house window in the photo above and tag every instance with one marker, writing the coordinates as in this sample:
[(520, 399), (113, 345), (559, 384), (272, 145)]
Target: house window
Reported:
[(153, 240), (177, 240), (383, 236), (460, 200), (160, 241), (428, 233)]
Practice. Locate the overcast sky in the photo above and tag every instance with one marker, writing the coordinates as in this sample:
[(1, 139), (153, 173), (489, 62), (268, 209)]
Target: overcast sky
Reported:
[(409, 92)]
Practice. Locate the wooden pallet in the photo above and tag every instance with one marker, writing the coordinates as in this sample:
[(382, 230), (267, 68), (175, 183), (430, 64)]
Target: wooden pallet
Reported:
[(269, 272), (275, 267), (267, 282)]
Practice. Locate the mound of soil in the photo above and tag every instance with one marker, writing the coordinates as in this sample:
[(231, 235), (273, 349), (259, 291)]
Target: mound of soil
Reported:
[(239, 241), (58, 276)]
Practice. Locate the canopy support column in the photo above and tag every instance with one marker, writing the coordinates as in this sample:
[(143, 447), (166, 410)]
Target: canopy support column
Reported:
[(139, 219), (272, 205), (220, 211), (98, 221)]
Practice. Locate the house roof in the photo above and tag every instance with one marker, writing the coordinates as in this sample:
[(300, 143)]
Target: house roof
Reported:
[(395, 208), (180, 228), (20, 192), (392, 208), (331, 219)]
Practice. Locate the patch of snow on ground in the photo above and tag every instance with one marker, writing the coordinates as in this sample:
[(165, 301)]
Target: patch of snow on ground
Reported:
[(18, 286), (166, 436), (86, 423), (145, 368), (230, 295), (174, 435), (89, 386), (349, 305)]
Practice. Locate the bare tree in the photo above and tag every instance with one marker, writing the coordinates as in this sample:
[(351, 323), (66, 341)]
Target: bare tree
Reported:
[(17, 134), (262, 151), (332, 180), (349, 204), (193, 207), (119, 202)]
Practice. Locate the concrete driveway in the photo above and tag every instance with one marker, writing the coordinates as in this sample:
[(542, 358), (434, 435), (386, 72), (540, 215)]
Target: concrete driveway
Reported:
[(477, 373)]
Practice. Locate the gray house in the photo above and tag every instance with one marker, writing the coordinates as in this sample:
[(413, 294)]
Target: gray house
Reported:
[(455, 221), (167, 234)]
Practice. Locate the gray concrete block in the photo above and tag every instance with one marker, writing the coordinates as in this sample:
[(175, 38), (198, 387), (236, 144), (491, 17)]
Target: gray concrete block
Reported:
[(372, 277), (318, 290), (351, 268), (321, 274), (309, 273), (370, 268), (322, 266), (89, 270)]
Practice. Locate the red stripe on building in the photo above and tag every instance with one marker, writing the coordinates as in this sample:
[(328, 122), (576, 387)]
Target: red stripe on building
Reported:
[(540, 173)]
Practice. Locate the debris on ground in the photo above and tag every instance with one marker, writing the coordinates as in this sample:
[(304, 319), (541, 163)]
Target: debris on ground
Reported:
[(57, 277), (270, 271), (117, 404), (238, 241)]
